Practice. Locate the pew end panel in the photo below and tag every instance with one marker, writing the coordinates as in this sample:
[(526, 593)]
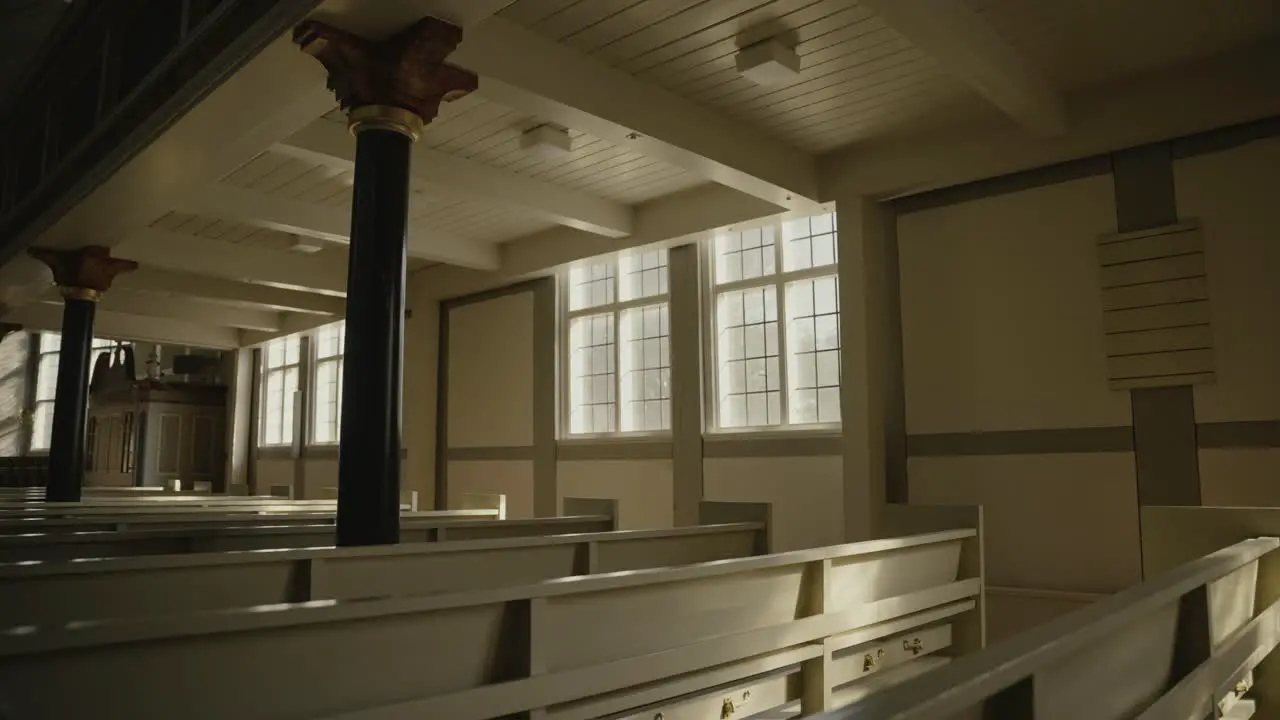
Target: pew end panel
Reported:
[(897, 520), (1172, 536), (715, 512), (827, 621), (1175, 646), (496, 502)]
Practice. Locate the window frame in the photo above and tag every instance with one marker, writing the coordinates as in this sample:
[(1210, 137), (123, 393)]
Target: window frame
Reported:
[(565, 317), (313, 402), (97, 346), (266, 370), (778, 281)]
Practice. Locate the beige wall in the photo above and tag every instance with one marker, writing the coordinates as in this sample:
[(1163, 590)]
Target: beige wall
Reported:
[(1001, 313), (491, 373), (643, 488), (1002, 331), (421, 366), (273, 471), (1234, 194), (806, 494), (513, 478)]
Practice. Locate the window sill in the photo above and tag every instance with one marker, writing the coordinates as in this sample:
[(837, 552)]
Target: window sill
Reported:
[(737, 434), (627, 439)]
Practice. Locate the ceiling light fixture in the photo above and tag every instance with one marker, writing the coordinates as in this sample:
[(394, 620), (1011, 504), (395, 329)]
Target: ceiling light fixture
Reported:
[(768, 62), (546, 141)]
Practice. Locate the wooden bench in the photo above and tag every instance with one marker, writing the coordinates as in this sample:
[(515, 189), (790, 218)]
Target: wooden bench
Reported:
[(737, 636), (54, 592), (268, 536), (1182, 644), (180, 520)]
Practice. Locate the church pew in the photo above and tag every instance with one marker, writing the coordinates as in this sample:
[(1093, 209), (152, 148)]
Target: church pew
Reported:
[(180, 519), (267, 536), (1182, 644), (744, 635), (55, 592)]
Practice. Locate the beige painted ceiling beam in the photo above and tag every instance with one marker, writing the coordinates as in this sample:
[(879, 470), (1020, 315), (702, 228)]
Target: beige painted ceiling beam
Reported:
[(323, 272), (192, 310), (965, 45), (47, 317), (228, 293), (330, 224), (523, 70), (330, 144)]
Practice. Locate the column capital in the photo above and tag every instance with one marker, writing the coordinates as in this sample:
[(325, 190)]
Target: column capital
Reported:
[(83, 273), (395, 84)]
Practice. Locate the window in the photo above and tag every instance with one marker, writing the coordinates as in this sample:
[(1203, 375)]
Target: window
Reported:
[(47, 383), (280, 364), (776, 325), (618, 344), (328, 394)]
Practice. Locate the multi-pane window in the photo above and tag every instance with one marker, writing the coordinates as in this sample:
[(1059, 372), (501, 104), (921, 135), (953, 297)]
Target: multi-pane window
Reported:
[(776, 324), (280, 365), (47, 383), (618, 344), (328, 343)]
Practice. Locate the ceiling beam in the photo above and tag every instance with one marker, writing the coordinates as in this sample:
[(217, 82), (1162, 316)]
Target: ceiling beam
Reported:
[(330, 144), (967, 46), (323, 272), (199, 312), (228, 293), (47, 317), (525, 71), (330, 224)]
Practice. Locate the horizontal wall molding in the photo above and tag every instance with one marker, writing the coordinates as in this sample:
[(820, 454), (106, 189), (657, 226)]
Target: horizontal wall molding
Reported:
[(1240, 434), (772, 446), (465, 454), (1022, 442), (1004, 184), (617, 450), (1225, 138)]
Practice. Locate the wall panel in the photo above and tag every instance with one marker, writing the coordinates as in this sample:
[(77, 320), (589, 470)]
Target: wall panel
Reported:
[(513, 478), (806, 494), (1053, 522), (491, 380), (1240, 476), (643, 488), (1234, 194), (272, 472), (1001, 312)]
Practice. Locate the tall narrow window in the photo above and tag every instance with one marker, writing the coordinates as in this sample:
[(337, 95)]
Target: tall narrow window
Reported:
[(618, 344), (327, 412), (776, 325), (280, 364), (47, 383)]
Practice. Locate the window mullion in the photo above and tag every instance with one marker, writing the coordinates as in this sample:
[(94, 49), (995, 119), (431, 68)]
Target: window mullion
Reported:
[(617, 371), (784, 355)]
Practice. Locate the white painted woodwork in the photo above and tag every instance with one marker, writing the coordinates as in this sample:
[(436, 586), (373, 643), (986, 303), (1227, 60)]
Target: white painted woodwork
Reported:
[(519, 69), (962, 42), (329, 144), (169, 283), (42, 317), (1112, 659), (324, 272), (129, 542), (187, 309), (584, 649), (150, 586), (331, 224)]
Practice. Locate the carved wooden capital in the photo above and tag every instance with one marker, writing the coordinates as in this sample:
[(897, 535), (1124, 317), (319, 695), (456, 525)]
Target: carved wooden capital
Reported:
[(406, 71), (84, 272)]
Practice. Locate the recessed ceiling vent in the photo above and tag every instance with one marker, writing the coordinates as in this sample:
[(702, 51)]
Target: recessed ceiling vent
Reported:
[(768, 62), (546, 141)]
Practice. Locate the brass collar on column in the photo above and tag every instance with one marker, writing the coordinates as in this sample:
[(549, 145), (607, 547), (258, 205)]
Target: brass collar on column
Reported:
[(384, 117), (79, 293)]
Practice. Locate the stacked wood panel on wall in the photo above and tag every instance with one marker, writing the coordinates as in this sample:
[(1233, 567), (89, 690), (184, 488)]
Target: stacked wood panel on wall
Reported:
[(1232, 193), (1008, 403)]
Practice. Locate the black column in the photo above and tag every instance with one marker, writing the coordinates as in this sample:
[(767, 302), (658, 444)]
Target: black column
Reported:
[(369, 459), (66, 443)]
